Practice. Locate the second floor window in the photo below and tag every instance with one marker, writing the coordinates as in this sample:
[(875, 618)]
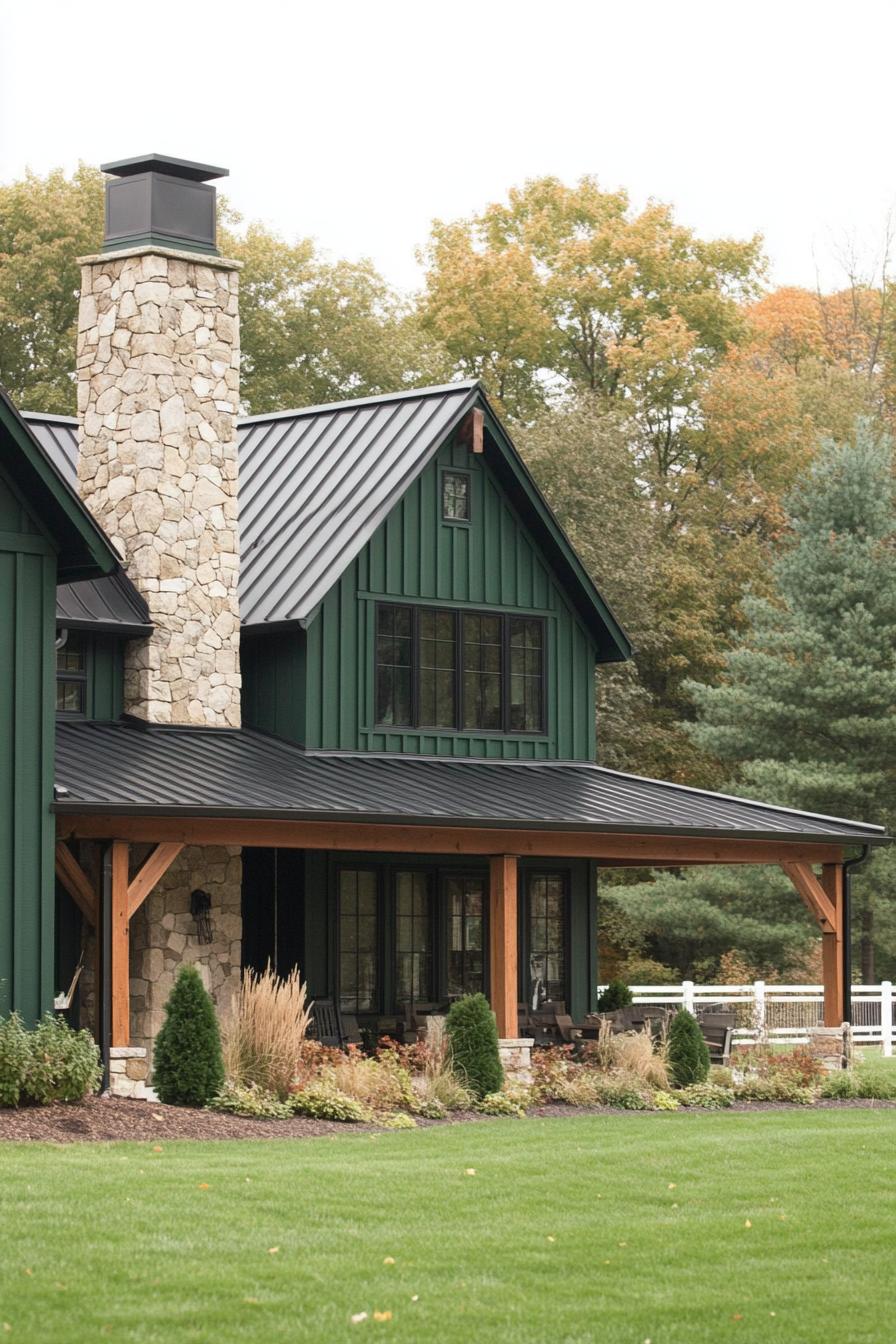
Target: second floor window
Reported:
[(471, 671), (71, 675)]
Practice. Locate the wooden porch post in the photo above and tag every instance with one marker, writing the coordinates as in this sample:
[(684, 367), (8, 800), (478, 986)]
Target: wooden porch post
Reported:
[(119, 968), (832, 948), (502, 942)]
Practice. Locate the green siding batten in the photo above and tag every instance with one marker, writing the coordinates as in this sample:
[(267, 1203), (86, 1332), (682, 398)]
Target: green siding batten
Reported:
[(27, 619), (414, 556)]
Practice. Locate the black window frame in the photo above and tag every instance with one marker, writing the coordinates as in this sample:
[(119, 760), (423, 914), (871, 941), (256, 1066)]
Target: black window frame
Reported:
[(78, 677), (431, 923), (506, 619), (468, 477), (377, 873), (532, 874), (464, 876)]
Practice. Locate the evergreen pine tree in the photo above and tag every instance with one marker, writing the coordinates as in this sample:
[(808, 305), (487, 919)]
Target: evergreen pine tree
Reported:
[(806, 710), (187, 1065), (686, 1052), (473, 1039)]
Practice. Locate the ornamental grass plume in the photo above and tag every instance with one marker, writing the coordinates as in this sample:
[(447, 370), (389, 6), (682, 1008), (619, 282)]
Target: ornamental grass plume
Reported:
[(263, 1035)]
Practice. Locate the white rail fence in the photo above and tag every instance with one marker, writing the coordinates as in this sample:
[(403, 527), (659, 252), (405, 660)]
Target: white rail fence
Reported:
[(781, 1013)]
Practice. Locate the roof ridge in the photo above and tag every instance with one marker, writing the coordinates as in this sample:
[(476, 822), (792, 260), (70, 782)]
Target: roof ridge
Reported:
[(439, 389)]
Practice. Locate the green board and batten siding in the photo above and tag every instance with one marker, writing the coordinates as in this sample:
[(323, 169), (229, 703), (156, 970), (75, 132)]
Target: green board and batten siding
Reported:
[(27, 618), (414, 556)]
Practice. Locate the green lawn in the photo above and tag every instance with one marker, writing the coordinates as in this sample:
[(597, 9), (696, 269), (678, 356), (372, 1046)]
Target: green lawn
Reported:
[(692, 1227)]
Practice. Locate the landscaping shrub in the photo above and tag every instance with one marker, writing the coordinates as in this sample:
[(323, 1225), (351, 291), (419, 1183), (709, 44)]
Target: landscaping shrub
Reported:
[(775, 1088), (187, 1066), (473, 1043), (863, 1082), (589, 1088), (799, 1065), (720, 1075), (500, 1103), (380, 1084), (709, 1096), (323, 1101), (686, 1052), (234, 1099), (840, 1086), (665, 1101), (64, 1065), (15, 1054), (616, 995), (396, 1120), (552, 1069), (263, 1036)]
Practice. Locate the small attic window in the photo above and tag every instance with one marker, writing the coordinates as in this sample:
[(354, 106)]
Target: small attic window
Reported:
[(456, 496)]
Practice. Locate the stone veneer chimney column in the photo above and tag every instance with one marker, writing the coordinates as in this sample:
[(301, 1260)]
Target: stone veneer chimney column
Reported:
[(158, 398)]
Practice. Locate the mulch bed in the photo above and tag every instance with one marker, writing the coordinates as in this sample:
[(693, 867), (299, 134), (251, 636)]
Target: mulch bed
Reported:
[(107, 1119)]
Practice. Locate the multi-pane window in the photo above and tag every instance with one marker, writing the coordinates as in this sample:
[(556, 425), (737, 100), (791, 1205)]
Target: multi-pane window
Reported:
[(394, 649), (466, 937), (437, 647), (358, 958), (440, 668), (413, 938), (456, 496), (483, 671), (547, 937), (71, 675), (526, 636)]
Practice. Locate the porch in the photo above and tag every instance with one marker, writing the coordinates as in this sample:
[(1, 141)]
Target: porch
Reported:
[(395, 878)]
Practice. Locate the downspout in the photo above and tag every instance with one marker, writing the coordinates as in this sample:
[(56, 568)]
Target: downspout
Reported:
[(847, 868), (104, 933)]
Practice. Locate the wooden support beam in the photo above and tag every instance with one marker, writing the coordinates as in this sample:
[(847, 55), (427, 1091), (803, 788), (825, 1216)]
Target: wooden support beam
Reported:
[(503, 974), (76, 882), (832, 948), (813, 894), (364, 837), (470, 431), (119, 970), (155, 868)]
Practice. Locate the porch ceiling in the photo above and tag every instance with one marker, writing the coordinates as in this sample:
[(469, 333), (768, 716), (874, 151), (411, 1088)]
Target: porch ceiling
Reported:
[(125, 770)]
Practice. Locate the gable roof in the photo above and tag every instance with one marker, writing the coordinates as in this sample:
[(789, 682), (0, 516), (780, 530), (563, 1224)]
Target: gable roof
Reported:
[(84, 550), (316, 483), (111, 603), (132, 769)]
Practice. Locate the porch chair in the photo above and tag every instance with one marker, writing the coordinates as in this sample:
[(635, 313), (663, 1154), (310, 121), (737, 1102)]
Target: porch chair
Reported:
[(331, 1027), (718, 1029)]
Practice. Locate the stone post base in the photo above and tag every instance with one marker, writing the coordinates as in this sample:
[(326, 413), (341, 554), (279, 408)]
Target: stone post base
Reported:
[(516, 1058), (832, 1046), (128, 1073)]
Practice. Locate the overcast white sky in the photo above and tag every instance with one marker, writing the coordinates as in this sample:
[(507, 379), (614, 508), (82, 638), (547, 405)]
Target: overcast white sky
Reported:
[(358, 123)]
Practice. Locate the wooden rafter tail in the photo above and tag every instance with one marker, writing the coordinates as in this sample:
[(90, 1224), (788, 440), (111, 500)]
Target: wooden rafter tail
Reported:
[(471, 430), (153, 870), (76, 882)]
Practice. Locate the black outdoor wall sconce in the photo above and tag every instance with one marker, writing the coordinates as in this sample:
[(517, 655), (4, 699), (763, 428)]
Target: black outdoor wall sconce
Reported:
[(200, 907)]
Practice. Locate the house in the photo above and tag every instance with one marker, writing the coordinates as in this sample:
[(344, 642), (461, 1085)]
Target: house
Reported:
[(334, 704)]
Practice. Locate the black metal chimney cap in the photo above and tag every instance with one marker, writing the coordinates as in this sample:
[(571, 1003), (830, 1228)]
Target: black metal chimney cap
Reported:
[(164, 163)]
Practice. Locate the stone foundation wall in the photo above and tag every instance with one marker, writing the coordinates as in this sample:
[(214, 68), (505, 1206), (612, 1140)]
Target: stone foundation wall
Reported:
[(158, 396), (164, 936)]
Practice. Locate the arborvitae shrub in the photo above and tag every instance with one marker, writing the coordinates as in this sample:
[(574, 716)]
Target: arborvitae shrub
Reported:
[(187, 1067), (616, 995), (686, 1053), (473, 1042)]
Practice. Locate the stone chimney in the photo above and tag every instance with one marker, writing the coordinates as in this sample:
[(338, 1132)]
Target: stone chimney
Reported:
[(158, 397)]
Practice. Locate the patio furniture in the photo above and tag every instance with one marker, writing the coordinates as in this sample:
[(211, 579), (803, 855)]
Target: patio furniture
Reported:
[(331, 1027), (718, 1029)]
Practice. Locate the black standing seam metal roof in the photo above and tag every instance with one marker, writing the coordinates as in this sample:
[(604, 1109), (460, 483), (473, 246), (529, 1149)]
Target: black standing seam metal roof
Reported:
[(109, 603), (122, 768), (316, 483)]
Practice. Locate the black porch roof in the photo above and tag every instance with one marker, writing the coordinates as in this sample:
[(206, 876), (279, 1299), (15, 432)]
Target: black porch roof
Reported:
[(128, 769)]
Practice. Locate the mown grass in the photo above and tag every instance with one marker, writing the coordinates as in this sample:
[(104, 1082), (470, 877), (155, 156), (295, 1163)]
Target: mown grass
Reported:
[(773, 1226)]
